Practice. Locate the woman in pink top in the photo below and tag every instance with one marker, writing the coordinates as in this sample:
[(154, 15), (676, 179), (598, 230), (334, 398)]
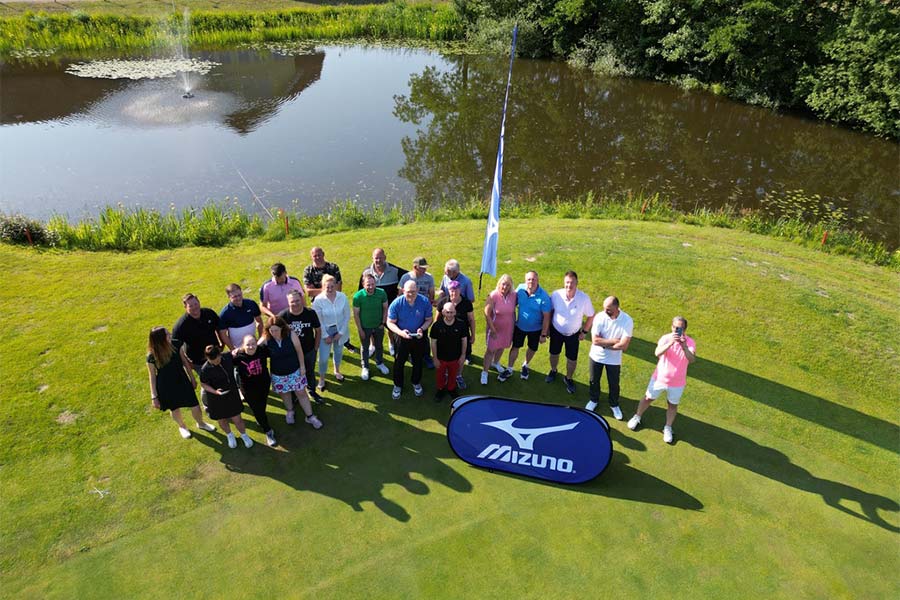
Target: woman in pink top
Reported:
[(675, 352), (500, 314)]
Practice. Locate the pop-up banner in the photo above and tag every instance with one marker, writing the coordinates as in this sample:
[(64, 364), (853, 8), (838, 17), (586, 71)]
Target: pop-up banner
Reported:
[(547, 441)]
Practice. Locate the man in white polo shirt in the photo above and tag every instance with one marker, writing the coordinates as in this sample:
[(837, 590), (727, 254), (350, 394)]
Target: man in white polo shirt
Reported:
[(568, 327), (610, 337)]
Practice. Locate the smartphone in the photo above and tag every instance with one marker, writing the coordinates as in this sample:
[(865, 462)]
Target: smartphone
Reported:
[(679, 331)]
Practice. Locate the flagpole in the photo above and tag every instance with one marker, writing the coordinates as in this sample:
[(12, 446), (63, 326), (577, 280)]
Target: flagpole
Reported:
[(492, 233)]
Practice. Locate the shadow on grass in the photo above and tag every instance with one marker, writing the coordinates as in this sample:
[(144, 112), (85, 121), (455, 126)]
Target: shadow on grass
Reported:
[(784, 398)]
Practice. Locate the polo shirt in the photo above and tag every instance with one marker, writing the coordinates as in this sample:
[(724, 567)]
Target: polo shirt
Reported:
[(388, 281), (605, 327), (531, 308), (232, 317), (568, 314), (304, 326), (671, 369), (449, 338), (425, 283), (196, 334), (371, 308), (312, 275), (274, 295), (409, 317), (465, 286)]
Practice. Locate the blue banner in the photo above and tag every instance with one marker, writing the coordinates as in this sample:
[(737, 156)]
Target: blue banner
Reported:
[(547, 441), (492, 235)]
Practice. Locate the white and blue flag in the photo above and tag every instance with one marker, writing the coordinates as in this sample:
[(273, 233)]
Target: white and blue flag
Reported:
[(492, 235)]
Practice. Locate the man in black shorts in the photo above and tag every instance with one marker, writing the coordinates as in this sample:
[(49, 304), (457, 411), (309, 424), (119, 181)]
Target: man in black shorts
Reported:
[(571, 307)]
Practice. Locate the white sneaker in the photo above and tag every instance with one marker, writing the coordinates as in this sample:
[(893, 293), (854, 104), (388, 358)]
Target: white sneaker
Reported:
[(417, 390), (314, 421), (206, 426), (364, 374), (617, 413), (232, 442), (497, 367), (383, 368), (391, 349), (270, 438), (395, 393), (248, 443), (633, 422), (668, 435), (184, 432), (371, 349), (484, 378), (591, 405), (289, 417)]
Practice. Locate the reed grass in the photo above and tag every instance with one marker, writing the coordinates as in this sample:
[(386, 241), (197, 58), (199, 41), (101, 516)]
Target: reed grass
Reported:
[(128, 229), (76, 31)]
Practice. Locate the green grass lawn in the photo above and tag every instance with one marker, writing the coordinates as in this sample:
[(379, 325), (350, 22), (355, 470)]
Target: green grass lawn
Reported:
[(783, 481)]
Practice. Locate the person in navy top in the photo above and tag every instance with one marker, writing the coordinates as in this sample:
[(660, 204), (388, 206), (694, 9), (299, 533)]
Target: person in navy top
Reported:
[(240, 317), (409, 316)]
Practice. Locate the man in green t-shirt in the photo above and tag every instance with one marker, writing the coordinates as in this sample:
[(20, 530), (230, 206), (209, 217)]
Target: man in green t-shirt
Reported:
[(370, 306)]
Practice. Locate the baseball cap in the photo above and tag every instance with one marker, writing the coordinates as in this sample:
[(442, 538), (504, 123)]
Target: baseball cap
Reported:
[(420, 261)]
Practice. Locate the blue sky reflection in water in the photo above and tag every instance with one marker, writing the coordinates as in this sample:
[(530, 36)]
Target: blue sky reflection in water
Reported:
[(400, 125)]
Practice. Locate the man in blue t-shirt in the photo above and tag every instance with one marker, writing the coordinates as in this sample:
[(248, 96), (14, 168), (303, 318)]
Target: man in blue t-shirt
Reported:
[(241, 316), (409, 317), (532, 320)]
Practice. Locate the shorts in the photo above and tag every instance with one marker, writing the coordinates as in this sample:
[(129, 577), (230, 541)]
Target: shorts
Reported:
[(654, 389), (534, 339), (557, 340), (283, 384)]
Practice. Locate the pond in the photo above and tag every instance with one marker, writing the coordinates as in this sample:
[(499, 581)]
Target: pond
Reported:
[(304, 128)]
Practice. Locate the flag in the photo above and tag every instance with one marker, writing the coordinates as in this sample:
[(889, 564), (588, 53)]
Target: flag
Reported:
[(492, 234)]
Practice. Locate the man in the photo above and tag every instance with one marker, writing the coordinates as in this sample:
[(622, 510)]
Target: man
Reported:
[(675, 352), (305, 323), (568, 327), (196, 329), (610, 336), (425, 284), (241, 316), (370, 308), (532, 321), (312, 279), (387, 277), (452, 273), (273, 293), (449, 337), (409, 316)]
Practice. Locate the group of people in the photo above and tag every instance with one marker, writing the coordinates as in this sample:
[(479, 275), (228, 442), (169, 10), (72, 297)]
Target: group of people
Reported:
[(249, 347)]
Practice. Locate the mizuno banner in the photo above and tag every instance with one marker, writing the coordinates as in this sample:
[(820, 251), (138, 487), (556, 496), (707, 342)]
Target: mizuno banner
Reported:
[(546, 441)]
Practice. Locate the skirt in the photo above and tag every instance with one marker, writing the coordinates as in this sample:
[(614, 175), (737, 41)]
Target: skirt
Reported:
[(223, 407), (283, 384)]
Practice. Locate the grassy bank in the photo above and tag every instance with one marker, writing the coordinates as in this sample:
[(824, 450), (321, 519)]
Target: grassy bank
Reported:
[(782, 480), (39, 32), (218, 225)]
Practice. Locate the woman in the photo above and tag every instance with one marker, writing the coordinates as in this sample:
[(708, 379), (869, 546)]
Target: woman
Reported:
[(288, 372), (500, 317), (334, 315), (250, 360), (466, 313), (220, 394), (172, 381)]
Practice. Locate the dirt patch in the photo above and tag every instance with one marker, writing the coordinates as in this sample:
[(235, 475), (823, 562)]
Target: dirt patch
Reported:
[(67, 417), (100, 328), (43, 388)]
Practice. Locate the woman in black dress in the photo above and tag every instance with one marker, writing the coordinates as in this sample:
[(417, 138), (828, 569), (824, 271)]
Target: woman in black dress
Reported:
[(251, 360), (172, 381), (220, 394)]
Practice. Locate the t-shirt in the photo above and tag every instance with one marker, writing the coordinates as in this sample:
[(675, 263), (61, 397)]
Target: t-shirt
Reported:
[(425, 283), (568, 314), (196, 334), (671, 369), (449, 338), (253, 370), (466, 290), (606, 327), (371, 308), (409, 317), (304, 326), (387, 281), (274, 295), (232, 316), (532, 308), (220, 376), (312, 275), (463, 309)]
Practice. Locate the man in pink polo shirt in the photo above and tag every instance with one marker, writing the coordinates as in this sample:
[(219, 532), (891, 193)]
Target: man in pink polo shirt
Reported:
[(273, 293), (675, 352)]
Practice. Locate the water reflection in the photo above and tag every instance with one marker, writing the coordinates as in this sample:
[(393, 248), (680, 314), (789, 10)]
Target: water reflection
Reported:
[(569, 133)]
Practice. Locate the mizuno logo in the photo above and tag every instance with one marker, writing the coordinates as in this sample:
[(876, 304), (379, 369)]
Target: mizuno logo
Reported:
[(525, 437), (520, 457)]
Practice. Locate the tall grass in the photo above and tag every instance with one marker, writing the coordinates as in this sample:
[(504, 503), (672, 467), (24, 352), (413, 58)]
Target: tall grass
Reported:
[(79, 31), (125, 229)]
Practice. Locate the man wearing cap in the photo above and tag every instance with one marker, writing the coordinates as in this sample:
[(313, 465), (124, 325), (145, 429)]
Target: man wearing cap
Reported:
[(452, 273), (273, 293), (533, 309), (240, 317), (425, 285), (196, 329), (409, 316), (312, 279), (387, 277)]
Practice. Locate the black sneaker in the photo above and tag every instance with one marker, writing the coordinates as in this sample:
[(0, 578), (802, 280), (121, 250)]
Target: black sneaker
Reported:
[(351, 348), (503, 376), (316, 397), (551, 377), (525, 372), (439, 395), (570, 385)]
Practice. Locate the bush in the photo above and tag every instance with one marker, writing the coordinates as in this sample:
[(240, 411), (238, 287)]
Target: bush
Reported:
[(16, 229)]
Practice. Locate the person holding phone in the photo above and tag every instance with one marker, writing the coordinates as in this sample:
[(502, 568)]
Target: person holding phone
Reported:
[(675, 352), (409, 317)]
